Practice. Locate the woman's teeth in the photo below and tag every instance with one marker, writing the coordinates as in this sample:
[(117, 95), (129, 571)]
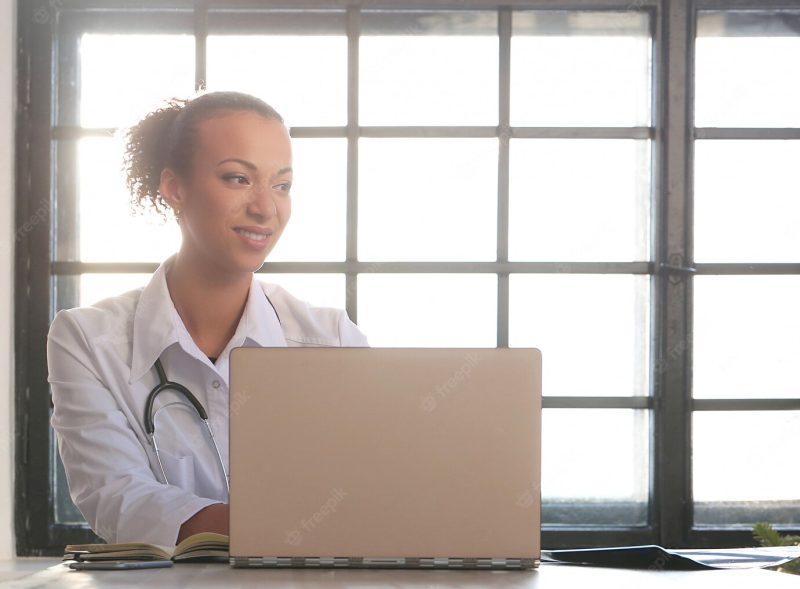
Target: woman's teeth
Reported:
[(251, 235)]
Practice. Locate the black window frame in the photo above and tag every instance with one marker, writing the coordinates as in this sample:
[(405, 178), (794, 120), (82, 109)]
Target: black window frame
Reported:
[(46, 64)]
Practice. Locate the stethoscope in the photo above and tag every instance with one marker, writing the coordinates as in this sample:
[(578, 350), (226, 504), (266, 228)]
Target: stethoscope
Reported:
[(150, 424), (149, 418)]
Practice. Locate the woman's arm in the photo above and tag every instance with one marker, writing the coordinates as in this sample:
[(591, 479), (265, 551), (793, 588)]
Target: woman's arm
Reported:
[(213, 518), (107, 466)]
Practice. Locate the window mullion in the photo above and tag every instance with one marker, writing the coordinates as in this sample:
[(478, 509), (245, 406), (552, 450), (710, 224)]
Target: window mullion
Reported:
[(672, 373), (504, 128), (353, 35), (200, 38)]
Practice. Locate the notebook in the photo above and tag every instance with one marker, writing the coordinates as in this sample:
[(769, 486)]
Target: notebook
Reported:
[(385, 458)]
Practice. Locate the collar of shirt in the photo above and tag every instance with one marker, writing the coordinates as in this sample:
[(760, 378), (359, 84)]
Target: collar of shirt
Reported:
[(157, 325)]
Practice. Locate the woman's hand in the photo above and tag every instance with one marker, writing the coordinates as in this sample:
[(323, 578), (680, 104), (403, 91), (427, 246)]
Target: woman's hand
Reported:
[(213, 518)]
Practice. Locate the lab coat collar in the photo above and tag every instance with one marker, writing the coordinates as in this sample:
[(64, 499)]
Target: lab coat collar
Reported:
[(153, 328), (260, 322), (157, 325)]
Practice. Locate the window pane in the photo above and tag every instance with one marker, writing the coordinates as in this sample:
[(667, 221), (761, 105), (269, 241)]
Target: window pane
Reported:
[(316, 231), (96, 287), (594, 466), (64, 509), (593, 331), (746, 201), (745, 66), (303, 77), (743, 467), (123, 77), (579, 200), (745, 336), (440, 69), (428, 310), (427, 199), (580, 69), (321, 290), (109, 232)]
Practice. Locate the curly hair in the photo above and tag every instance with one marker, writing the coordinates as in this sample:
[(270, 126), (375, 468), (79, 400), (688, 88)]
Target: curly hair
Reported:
[(166, 138)]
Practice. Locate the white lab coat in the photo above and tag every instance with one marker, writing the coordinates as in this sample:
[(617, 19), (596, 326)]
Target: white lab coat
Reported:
[(101, 370)]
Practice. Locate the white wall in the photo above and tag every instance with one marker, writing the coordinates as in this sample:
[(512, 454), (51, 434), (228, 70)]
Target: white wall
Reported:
[(8, 21)]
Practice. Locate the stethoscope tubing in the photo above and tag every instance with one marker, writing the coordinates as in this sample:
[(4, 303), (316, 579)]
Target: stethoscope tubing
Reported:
[(149, 417), (150, 426)]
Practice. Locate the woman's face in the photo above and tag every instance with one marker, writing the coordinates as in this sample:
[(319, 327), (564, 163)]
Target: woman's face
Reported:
[(235, 205)]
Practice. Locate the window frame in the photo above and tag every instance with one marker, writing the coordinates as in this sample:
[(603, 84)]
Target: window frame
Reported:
[(48, 61), (706, 535)]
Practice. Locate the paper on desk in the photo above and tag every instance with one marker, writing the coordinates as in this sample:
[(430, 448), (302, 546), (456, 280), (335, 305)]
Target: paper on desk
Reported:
[(657, 558)]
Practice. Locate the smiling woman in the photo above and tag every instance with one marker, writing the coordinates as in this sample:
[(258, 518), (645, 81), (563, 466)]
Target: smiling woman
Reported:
[(222, 163), (234, 194)]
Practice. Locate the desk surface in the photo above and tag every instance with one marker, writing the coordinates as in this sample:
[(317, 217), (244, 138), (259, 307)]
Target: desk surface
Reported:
[(47, 573)]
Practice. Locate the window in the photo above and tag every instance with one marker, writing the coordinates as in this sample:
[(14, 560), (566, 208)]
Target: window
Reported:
[(746, 248), (522, 167)]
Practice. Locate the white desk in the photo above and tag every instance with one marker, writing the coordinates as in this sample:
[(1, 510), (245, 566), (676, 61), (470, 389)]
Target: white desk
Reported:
[(49, 573)]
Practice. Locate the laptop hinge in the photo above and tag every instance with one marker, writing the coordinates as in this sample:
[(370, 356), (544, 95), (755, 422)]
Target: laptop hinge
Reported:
[(409, 562)]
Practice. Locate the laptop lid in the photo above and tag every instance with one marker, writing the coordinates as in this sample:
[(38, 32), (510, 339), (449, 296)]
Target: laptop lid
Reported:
[(393, 456)]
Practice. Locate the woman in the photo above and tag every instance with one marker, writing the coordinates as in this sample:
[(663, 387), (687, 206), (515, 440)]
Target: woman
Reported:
[(222, 163)]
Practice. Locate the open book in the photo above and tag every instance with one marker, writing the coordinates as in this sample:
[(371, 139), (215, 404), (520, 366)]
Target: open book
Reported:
[(202, 547)]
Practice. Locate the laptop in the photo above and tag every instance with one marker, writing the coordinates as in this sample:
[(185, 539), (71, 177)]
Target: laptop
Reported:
[(385, 458)]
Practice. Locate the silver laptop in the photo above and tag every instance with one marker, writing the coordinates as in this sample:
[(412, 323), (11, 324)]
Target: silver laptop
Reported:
[(385, 458)]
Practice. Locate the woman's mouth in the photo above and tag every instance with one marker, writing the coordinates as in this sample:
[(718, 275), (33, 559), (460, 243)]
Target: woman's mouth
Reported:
[(256, 240), (252, 235)]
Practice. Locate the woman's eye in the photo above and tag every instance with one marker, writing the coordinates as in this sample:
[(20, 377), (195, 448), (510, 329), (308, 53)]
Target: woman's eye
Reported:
[(283, 186), (238, 178)]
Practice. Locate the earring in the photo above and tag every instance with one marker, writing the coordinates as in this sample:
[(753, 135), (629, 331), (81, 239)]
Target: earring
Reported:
[(177, 216)]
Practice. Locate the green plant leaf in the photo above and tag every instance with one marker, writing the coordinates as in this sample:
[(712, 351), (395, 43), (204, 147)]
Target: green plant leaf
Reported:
[(766, 535)]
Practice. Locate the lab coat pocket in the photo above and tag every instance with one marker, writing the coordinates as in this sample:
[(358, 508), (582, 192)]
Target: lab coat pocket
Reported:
[(179, 469)]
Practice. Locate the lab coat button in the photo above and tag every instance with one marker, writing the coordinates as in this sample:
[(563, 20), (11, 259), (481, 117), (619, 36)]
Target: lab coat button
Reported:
[(215, 384)]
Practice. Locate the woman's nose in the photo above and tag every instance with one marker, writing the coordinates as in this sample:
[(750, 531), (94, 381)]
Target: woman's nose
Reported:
[(262, 202)]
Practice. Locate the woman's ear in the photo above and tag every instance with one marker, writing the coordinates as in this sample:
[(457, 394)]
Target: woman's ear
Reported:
[(171, 189)]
